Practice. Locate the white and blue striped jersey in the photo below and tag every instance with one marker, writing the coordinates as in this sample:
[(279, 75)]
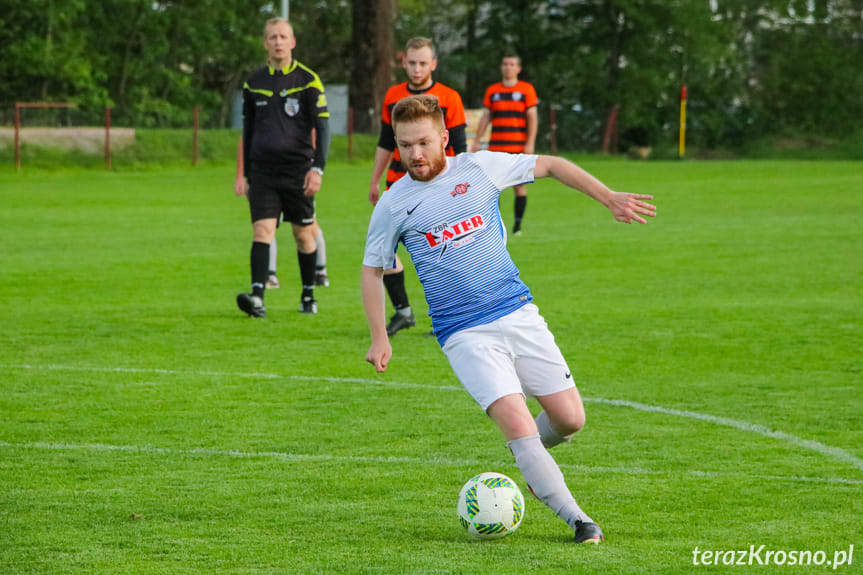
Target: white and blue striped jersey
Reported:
[(452, 228)]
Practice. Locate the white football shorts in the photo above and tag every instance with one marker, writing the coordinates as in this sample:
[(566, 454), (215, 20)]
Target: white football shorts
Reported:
[(514, 354)]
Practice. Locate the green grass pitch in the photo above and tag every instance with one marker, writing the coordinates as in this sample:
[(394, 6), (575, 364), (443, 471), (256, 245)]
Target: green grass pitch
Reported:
[(148, 426)]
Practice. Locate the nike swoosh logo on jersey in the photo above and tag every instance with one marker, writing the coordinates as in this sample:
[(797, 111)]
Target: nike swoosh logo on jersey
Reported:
[(410, 211)]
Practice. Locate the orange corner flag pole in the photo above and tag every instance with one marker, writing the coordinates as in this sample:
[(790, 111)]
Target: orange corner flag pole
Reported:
[(683, 120)]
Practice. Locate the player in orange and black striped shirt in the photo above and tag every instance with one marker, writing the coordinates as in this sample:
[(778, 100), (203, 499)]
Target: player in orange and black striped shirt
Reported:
[(510, 107), (419, 63)]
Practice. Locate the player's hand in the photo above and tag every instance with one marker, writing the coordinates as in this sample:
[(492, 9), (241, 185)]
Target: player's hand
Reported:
[(474, 147), (312, 183), (528, 149), (630, 207), (241, 186), (379, 355), (374, 193)]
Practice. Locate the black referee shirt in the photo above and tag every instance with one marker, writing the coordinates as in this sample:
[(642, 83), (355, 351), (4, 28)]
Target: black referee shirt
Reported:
[(280, 108)]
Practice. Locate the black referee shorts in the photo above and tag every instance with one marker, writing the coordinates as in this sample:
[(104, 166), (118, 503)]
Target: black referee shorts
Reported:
[(271, 196)]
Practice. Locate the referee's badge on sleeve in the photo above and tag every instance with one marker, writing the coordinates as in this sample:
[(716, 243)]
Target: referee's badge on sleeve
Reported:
[(292, 107)]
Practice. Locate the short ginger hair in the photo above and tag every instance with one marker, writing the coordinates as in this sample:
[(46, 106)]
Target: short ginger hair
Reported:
[(416, 108)]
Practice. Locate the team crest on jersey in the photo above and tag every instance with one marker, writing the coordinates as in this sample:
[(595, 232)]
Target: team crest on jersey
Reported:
[(292, 107), (460, 189), (457, 235), (517, 96)]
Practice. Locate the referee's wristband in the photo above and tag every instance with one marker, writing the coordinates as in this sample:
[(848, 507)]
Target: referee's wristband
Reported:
[(319, 171)]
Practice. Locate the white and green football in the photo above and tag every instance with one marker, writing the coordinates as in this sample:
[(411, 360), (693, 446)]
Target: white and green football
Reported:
[(490, 506)]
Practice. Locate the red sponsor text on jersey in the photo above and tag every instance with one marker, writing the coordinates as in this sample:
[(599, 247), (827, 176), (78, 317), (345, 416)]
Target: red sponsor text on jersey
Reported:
[(463, 228)]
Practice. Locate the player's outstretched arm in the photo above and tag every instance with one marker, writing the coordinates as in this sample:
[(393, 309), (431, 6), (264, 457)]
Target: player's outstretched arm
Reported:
[(625, 207), (381, 351)]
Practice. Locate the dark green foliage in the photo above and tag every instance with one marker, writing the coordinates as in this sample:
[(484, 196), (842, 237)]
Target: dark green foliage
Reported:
[(787, 69)]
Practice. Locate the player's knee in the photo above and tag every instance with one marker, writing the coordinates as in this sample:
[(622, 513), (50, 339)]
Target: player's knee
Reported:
[(305, 239), (305, 245), (264, 236), (570, 424), (264, 230)]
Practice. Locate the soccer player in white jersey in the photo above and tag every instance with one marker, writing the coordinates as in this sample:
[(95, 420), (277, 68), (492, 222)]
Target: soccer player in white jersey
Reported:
[(446, 214)]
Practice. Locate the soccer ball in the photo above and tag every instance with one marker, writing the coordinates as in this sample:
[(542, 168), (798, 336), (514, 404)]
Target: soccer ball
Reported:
[(490, 506)]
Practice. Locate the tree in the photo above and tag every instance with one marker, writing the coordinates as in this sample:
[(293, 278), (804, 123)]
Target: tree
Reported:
[(371, 70), (45, 54), (753, 69)]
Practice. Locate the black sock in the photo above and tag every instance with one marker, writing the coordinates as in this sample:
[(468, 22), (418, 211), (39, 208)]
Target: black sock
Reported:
[(520, 206), (260, 262), (395, 284), (307, 272)]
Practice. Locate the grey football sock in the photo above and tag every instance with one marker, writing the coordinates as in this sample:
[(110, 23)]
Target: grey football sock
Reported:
[(273, 251), (550, 437), (321, 260), (545, 479)]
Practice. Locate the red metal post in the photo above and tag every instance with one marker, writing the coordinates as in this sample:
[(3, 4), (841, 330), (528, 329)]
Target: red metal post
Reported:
[(682, 143), (107, 137), (195, 139), (609, 140), (17, 136)]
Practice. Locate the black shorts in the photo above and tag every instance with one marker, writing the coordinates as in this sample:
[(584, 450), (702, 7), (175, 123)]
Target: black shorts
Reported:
[(272, 196)]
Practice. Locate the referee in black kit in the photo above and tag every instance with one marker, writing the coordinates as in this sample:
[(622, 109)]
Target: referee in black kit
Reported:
[(283, 103)]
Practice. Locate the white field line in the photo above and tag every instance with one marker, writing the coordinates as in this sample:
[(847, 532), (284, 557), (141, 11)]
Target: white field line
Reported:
[(834, 452), (830, 451), (49, 367), (377, 460)]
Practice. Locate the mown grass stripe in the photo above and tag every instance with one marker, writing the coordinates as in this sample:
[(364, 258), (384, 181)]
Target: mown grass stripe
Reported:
[(827, 450), (441, 461)]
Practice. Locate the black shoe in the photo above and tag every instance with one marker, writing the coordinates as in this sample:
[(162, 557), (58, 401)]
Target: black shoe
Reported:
[(399, 322), (308, 305), (322, 279), (588, 533), (252, 305)]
